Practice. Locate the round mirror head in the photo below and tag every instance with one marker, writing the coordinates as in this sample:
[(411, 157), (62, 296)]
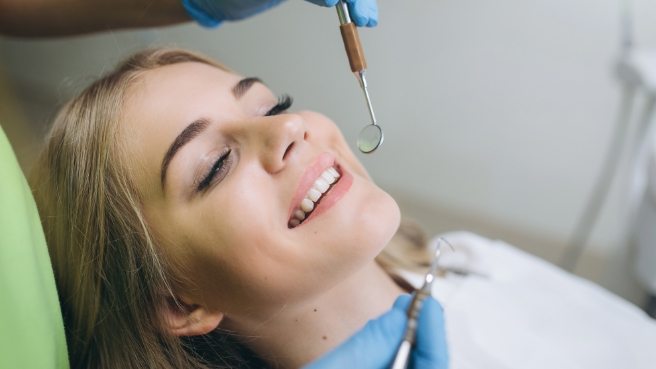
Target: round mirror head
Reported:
[(370, 138)]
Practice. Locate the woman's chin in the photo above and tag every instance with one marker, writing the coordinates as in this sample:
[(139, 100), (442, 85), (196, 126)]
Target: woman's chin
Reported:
[(379, 224), (394, 221)]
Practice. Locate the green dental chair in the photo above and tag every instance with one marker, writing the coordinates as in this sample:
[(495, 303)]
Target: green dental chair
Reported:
[(31, 327)]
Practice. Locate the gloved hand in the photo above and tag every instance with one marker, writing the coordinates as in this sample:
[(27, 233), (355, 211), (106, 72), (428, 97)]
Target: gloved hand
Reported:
[(363, 12), (210, 13), (375, 345)]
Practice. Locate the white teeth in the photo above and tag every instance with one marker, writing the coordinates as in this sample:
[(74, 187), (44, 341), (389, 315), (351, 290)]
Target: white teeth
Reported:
[(314, 195), (321, 185), (307, 205), (328, 177), (299, 214)]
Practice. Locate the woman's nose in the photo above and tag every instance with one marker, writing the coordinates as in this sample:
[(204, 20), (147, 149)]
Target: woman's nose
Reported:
[(279, 138)]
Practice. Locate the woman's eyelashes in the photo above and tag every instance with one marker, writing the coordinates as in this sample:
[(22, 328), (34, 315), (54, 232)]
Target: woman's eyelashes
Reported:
[(284, 102), (221, 166), (218, 170)]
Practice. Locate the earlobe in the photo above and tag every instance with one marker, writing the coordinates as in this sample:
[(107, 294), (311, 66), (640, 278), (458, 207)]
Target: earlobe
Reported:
[(182, 319)]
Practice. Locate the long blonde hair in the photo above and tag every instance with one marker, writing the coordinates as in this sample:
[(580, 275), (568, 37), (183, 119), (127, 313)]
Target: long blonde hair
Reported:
[(112, 280)]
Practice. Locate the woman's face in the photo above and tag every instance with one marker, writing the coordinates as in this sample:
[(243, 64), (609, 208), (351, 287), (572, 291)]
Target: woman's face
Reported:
[(222, 171)]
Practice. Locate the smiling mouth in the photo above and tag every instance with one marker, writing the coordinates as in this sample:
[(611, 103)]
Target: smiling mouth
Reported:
[(322, 185)]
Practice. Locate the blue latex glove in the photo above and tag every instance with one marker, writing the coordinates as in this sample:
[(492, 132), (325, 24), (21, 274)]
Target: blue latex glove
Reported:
[(210, 13), (363, 12), (375, 345)]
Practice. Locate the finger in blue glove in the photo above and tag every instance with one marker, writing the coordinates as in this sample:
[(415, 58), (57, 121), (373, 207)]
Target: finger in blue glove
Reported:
[(374, 346), (210, 13), (363, 12), (430, 351)]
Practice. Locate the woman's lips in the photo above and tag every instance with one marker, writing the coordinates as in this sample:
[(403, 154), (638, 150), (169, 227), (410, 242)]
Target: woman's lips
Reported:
[(321, 163), (329, 198), (334, 194)]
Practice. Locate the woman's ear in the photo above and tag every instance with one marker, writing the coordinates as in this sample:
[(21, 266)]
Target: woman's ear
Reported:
[(182, 319)]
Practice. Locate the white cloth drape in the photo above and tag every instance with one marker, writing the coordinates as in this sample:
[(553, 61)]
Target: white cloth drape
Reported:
[(516, 311)]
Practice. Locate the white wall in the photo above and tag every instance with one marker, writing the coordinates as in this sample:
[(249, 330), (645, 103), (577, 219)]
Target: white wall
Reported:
[(496, 109)]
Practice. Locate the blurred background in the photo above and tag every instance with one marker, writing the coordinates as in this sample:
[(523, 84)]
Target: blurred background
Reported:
[(497, 114)]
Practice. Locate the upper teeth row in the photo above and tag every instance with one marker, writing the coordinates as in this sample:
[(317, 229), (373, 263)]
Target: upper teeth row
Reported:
[(320, 186)]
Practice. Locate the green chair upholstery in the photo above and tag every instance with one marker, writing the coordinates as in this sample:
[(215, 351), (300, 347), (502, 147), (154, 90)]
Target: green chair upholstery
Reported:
[(31, 327)]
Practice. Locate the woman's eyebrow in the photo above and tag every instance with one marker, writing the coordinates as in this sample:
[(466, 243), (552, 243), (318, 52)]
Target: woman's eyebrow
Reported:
[(198, 126), (187, 134), (242, 86)]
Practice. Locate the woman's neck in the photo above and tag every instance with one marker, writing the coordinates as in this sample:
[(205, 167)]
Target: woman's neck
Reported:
[(297, 335)]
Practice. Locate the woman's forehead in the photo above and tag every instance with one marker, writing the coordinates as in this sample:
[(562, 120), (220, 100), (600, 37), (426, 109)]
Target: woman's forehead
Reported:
[(177, 92), (188, 74), (162, 102), (168, 99)]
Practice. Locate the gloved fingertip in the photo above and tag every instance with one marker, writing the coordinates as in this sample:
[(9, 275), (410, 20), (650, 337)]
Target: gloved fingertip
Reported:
[(402, 302), (372, 22), (330, 3), (360, 21), (201, 16), (433, 305), (431, 347)]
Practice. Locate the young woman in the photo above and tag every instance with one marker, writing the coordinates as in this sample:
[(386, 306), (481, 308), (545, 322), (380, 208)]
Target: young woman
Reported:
[(193, 221)]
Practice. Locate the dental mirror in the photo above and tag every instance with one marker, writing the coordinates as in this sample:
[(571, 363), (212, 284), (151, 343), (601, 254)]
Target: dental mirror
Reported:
[(370, 138), (371, 135)]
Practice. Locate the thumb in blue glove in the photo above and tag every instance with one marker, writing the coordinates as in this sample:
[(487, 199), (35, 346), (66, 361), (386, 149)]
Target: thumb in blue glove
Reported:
[(375, 345), (430, 350), (210, 13), (363, 12)]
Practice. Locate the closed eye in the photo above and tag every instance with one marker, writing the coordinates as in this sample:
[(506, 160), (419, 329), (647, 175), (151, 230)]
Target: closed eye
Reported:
[(219, 169), (284, 102), (222, 165)]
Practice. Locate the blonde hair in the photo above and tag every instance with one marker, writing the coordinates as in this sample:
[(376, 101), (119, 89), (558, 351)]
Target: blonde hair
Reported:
[(112, 280)]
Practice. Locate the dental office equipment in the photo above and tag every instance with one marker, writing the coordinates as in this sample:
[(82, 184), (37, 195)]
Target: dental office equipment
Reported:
[(403, 354), (371, 135)]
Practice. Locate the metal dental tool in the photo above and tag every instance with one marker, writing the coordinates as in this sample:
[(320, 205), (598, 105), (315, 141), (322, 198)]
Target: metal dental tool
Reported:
[(371, 135), (403, 354)]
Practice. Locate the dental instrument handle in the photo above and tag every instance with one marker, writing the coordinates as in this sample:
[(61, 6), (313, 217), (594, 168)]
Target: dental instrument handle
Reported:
[(413, 314), (354, 51), (351, 39), (402, 356), (403, 353)]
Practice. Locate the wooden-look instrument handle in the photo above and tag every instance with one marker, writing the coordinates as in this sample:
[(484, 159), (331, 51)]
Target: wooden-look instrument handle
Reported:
[(353, 47)]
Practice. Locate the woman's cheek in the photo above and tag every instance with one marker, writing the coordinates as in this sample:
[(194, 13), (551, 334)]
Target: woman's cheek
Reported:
[(327, 133)]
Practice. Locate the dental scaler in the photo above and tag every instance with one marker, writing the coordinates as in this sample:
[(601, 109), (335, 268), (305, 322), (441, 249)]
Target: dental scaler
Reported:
[(371, 135), (402, 357)]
